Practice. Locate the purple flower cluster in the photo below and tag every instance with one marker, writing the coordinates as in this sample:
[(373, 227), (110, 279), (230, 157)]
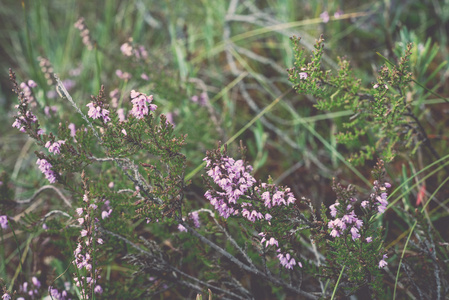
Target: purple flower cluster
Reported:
[(348, 220), (240, 196), (55, 147), (22, 121), (345, 219), (234, 179), (195, 218), (31, 290), (287, 260), (27, 92), (83, 252), (140, 103), (84, 32), (6, 296), (378, 198), (137, 51), (45, 168), (96, 112)]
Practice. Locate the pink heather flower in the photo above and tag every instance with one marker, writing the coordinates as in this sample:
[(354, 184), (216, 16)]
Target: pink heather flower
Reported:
[(123, 75), (365, 203), (268, 217), (83, 232), (369, 239), (272, 241), (144, 77), (81, 220), (126, 49), (98, 289), (124, 132), (335, 233), (355, 233), (140, 104), (358, 223), (324, 16), (195, 217), (334, 209), (4, 222), (100, 241), (383, 263), (36, 282), (303, 75), (94, 111), (32, 84), (79, 211), (105, 214), (182, 228), (45, 168), (54, 147), (85, 198), (111, 184), (6, 296), (375, 86), (387, 185), (121, 114), (338, 13), (72, 129)]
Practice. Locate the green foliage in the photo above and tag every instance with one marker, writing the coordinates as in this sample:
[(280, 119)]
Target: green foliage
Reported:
[(383, 110)]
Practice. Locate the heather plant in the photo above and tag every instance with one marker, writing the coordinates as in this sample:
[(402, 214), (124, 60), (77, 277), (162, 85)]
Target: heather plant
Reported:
[(382, 111)]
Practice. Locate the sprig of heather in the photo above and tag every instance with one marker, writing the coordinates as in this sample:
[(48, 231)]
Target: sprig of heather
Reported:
[(88, 275), (269, 208), (354, 235), (25, 120)]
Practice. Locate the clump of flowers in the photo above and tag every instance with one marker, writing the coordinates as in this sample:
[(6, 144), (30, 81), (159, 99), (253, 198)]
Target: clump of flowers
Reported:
[(84, 33), (141, 104), (97, 108), (354, 237), (240, 195), (88, 273), (46, 169)]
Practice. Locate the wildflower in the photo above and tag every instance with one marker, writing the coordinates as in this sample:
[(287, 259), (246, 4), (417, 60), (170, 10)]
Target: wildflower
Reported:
[(369, 239), (195, 217), (4, 222), (45, 168), (36, 282), (303, 75), (6, 296), (126, 49), (182, 228), (334, 209), (325, 16), (365, 203), (338, 13), (140, 103), (54, 147), (355, 233), (72, 129), (96, 112), (105, 214), (98, 289), (383, 263), (123, 75)]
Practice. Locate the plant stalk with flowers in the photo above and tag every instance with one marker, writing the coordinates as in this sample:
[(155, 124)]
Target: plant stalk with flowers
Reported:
[(269, 214), (383, 110), (352, 238)]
